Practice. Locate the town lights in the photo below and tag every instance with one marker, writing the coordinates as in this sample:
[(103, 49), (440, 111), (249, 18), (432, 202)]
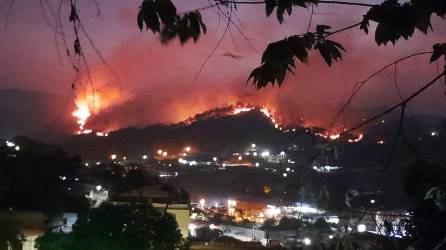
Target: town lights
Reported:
[(113, 156), (212, 227), (265, 154), (159, 151), (231, 206), (253, 145), (284, 175), (164, 153), (307, 241), (214, 159), (372, 201), (239, 158), (202, 203), (272, 211), (188, 149), (334, 137), (144, 157), (98, 188), (192, 227), (17, 148), (361, 228)]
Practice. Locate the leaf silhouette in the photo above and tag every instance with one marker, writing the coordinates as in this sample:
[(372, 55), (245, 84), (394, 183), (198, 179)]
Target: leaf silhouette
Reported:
[(400, 20), (160, 16), (190, 25), (329, 50), (270, 5), (148, 15), (279, 57), (321, 29), (439, 50), (285, 5), (77, 47), (167, 12)]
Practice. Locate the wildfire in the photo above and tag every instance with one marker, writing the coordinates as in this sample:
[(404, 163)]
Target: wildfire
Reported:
[(334, 137), (89, 103), (264, 110), (82, 113), (359, 138), (241, 110)]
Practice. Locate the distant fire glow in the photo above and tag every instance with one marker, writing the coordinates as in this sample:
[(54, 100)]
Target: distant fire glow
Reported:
[(359, 138), (82, 113), (264, 110), (241, 110), (89, 103)]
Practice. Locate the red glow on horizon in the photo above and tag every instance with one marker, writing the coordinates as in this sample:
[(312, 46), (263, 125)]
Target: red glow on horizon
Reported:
[(91, 102)]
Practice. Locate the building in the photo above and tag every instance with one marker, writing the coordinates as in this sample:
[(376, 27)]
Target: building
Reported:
[(27, 225), (165, 198)]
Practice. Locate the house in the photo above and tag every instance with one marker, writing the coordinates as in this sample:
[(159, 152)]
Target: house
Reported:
[(162, 197)]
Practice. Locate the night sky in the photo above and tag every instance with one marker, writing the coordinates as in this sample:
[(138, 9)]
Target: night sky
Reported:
[(157, 81)]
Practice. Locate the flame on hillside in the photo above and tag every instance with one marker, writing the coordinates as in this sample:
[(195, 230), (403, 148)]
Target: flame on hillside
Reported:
[(265, 110), (89, 105), (236, 109), (90, 102)]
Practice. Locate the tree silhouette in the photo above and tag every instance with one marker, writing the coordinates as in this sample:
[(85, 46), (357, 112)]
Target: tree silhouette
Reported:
[(394, 21), (10, 237), (134, 226), (32, 178)]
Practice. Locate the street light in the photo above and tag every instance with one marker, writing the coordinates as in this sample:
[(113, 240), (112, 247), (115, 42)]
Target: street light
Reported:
[(361, 228), (307, 241), (202, 203)]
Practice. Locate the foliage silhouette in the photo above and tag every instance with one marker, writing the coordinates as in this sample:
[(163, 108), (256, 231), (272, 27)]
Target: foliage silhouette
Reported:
[(134, 226), (394, 20), (31, 178)]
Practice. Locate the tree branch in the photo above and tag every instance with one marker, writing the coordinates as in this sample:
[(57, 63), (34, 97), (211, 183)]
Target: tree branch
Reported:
[(397, 137), (404, 102), (263, 2), (362, 83)]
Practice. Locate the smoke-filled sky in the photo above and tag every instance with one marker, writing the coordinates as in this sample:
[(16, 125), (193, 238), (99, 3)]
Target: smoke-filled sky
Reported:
[(157, 81)]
